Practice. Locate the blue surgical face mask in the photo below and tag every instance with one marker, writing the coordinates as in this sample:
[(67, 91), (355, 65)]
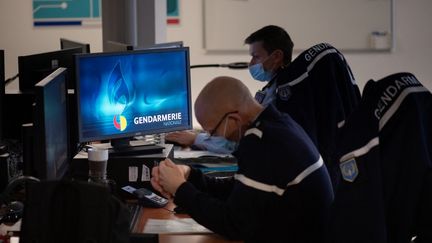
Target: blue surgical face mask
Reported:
[(258, 73), (221, 145)]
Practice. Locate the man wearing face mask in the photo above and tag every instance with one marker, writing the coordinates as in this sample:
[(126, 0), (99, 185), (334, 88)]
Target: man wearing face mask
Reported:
[(263, 67), (281, 192), (317, 88), (271, 50)]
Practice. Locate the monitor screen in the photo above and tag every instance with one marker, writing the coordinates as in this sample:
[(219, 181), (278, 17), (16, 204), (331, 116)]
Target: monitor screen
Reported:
[(133, 93), (115, 46), (67, 44), (50, 123), (33, 68)]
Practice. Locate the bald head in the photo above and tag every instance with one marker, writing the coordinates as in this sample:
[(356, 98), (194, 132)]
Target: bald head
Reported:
[(222, 95)]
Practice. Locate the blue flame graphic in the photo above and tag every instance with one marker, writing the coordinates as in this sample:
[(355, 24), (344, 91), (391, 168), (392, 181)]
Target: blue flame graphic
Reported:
[(119, 92)]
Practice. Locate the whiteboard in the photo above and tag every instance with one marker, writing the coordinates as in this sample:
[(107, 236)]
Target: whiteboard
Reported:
[(351, 25)]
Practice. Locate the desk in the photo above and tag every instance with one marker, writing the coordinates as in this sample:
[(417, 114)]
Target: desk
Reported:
[(160, 213)]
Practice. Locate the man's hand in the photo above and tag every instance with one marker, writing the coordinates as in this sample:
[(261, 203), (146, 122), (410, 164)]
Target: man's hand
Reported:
[(170, 176), (155, 182), (184, 138)]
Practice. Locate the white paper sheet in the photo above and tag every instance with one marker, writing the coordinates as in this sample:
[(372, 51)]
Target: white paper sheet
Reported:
[(174, 226)]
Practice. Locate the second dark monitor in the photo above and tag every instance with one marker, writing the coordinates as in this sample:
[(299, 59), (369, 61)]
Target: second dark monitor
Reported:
[(67, 44), (34, 68)]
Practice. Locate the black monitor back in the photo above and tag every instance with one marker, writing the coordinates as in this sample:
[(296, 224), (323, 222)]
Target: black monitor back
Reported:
[(34, 68), (115, 46), (67, 44)]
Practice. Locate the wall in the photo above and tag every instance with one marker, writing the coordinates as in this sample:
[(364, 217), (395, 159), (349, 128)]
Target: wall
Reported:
[(228, 22), (413, 50), (19, 37), (413, 36)]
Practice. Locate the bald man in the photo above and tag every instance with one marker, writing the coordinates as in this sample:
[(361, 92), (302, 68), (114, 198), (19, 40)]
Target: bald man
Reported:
[(281, 192)]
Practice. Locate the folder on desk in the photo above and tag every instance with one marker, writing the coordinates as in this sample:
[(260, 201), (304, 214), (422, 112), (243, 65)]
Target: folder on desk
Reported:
[(207, 162)]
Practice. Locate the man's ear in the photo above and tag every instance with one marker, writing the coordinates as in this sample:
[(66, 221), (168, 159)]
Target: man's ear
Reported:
[(236, 117), (279, 55)]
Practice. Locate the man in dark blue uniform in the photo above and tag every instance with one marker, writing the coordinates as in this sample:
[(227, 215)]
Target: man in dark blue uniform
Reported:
[(281, 192), (317, 89)]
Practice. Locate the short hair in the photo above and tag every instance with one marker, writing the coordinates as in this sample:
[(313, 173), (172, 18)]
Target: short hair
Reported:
[(273, 37)]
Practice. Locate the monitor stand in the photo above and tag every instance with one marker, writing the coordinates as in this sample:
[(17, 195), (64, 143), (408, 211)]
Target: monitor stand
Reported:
[(123, 147)]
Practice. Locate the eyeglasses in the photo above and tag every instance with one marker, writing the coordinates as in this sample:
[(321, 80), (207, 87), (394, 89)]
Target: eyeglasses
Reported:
[(212, 132)]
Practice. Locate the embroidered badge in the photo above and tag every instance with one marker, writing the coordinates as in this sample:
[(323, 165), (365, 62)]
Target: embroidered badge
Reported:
[(349, 170), (284, 92), (259, 96)]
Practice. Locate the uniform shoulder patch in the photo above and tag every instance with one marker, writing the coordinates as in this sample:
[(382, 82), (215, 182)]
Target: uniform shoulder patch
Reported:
[(349, 170), (255, 131), (284, 92), (259, 96)]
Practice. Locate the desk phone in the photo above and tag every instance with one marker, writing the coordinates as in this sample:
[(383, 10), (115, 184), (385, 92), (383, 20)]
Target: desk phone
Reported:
[(146, 197)]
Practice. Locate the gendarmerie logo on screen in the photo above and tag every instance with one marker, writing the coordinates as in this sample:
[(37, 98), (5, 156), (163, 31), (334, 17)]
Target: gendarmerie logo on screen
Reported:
[(120, 122), (168, 119)]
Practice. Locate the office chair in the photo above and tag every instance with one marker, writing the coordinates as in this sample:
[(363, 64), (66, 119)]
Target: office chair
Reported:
[(384, 155), (319, 92), (73, 211)]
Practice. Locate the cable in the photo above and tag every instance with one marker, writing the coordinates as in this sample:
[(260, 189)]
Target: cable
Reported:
[(169, 210), (233, 65), (11, 78), (205, 65), (238, 65)]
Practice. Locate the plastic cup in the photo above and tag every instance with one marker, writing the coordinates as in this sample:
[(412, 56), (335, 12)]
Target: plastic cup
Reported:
[(97, 161)]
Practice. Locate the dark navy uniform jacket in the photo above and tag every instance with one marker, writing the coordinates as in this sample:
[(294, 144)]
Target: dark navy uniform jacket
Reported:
[(384, 153), (318, 91), (281, 192)]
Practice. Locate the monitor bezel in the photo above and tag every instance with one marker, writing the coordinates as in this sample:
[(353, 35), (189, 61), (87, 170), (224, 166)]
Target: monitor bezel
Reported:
[(42, 168), (82, 139)]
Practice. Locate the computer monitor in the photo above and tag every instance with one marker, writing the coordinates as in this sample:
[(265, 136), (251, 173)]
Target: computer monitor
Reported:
[(127, 94), (67, 44), (173, 44), (2, 91), (33, 68), (51, 159), (2, 67), (115, 46)]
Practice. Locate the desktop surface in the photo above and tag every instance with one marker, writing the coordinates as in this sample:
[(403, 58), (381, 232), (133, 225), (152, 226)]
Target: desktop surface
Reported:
[(161, 213), (153, 213)]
